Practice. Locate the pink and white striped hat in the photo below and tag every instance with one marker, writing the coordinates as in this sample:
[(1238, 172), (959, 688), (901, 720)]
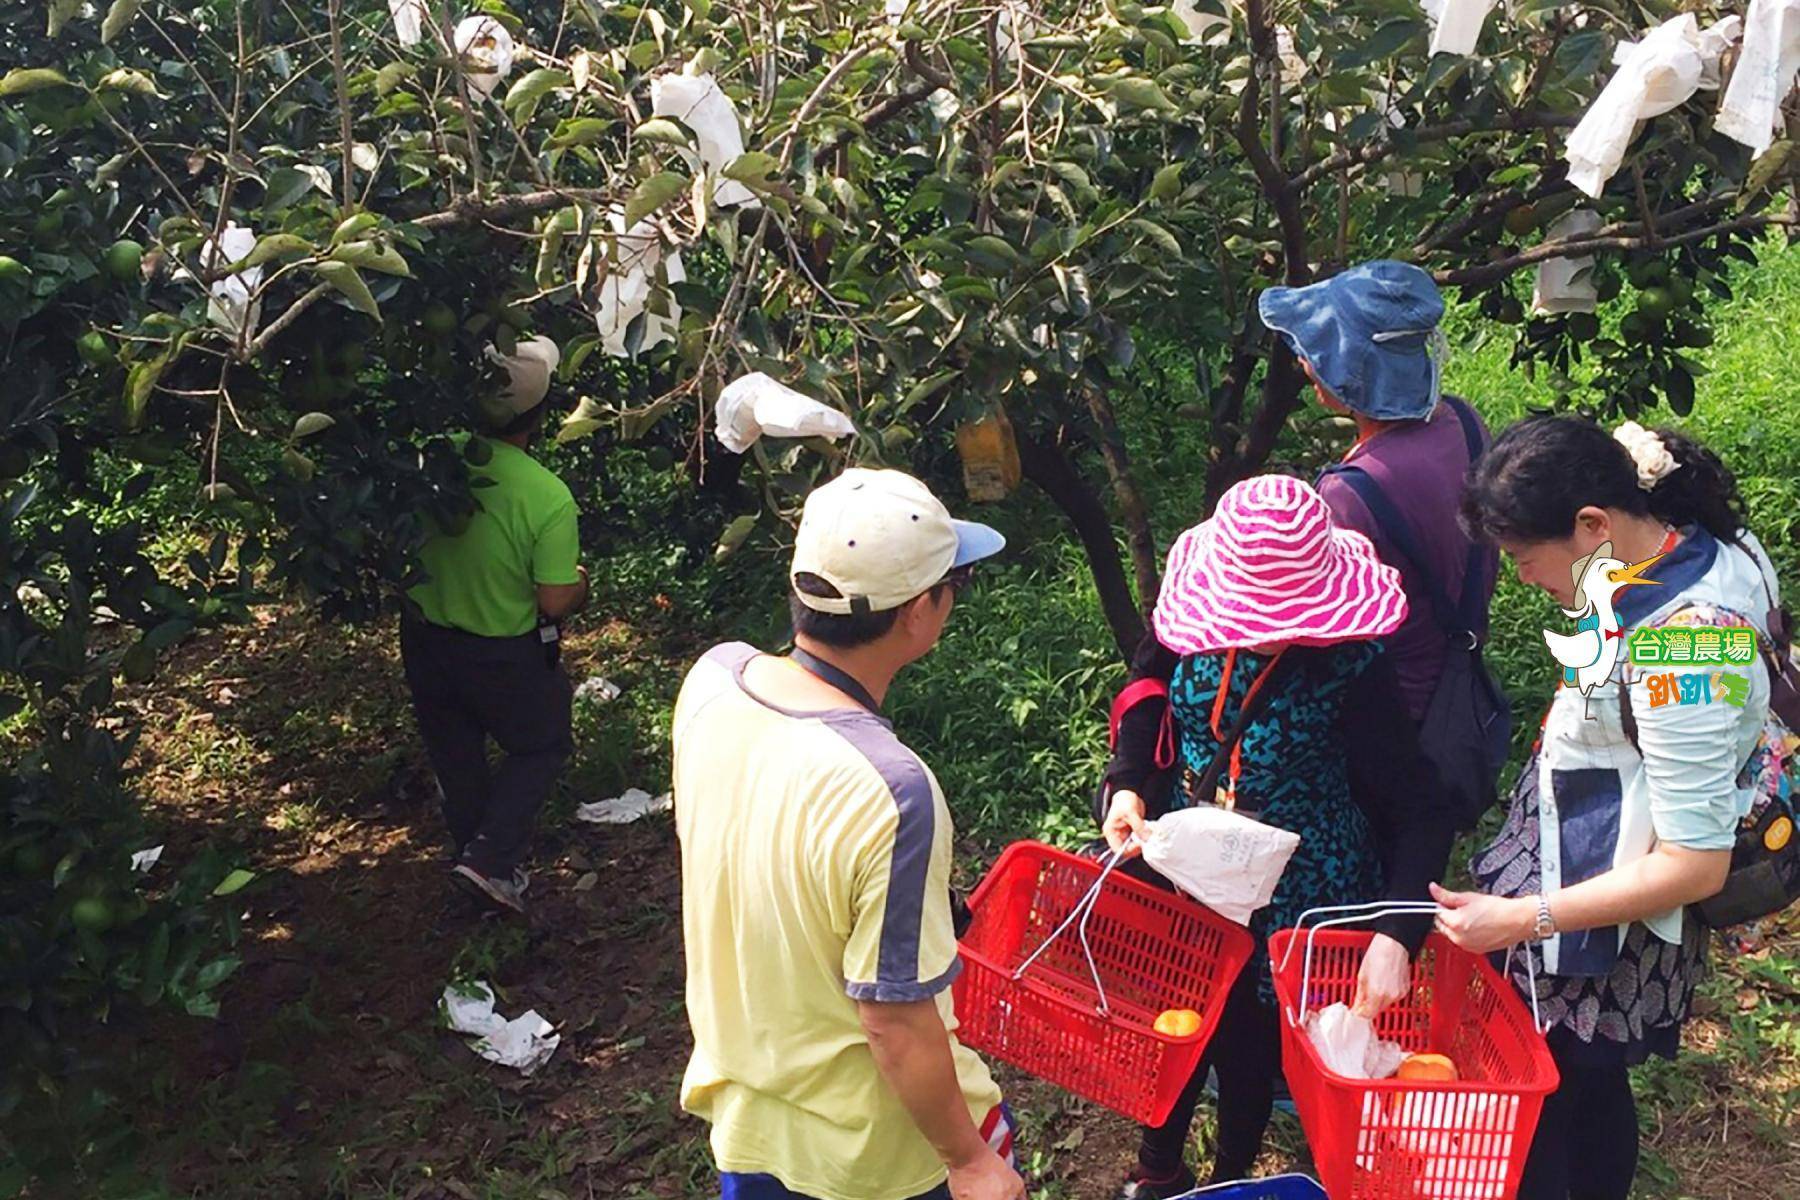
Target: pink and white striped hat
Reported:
[(1270, 566)]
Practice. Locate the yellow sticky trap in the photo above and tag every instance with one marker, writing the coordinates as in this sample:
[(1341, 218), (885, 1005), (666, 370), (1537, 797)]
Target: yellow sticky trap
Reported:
[(1777, 835)]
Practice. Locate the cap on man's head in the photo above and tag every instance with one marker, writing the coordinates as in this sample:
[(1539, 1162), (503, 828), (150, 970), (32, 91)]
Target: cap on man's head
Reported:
[(527, 372), (880, 538)]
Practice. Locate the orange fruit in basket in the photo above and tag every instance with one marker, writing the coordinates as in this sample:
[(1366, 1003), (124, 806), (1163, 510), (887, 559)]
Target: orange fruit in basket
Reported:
[(1428, 1068), (1178, 1022)]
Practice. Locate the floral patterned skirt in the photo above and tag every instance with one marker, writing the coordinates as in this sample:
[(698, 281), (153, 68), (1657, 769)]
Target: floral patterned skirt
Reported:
[(1632, 1012)]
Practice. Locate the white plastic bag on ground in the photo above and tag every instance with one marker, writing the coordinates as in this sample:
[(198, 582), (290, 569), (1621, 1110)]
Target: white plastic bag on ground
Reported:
[(1566, 285), (1456, 24), (697, 102), (1223, 859), (622, 810), (1654, 76), (524, 1043), (143, 860), (756, 405), (1348, 1045), (1764, 74)]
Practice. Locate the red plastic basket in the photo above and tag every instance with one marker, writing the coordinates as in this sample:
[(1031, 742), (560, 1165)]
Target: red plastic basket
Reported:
[(1153, 949), (1405, 1140)]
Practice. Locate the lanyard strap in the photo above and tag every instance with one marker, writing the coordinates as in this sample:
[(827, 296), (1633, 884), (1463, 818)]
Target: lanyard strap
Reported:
[(837, 677), (1218, 714)]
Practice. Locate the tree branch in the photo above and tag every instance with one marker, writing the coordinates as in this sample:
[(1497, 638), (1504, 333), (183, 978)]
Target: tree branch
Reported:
[(1375, 151), (334, 14), (1268, 173), (275, 328), (928, 81), (1486, 273), (471, 210)]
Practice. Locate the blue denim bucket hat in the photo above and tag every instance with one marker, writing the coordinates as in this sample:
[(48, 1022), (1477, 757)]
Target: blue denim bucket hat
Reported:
[(1370, 334)]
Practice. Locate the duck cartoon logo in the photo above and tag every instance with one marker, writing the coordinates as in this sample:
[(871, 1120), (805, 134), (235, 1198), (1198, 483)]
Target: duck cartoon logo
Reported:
[(1589, 654)]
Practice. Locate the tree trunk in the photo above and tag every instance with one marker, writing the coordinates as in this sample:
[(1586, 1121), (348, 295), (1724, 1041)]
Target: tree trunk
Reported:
[(1139, 539), (1280, 400), (1049, 468)]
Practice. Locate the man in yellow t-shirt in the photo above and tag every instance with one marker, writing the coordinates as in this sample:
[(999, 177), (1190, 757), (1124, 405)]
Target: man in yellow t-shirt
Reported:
[(480, 639), (815, 862)]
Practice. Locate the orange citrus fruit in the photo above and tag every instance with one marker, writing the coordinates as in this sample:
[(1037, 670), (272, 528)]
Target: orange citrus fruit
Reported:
[(1428, 1068), (1178, 1022)]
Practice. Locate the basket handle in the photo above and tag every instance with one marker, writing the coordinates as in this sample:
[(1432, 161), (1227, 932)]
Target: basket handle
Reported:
[(1084, 909), (1356, 915), (1381, 908)]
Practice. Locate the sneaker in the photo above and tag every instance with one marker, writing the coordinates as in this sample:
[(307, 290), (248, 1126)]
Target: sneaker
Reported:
[(1138, 1188), (502, 893)]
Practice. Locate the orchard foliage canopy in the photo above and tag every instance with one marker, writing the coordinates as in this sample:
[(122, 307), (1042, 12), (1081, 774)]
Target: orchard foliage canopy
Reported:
[(264, 246), (922, 213)]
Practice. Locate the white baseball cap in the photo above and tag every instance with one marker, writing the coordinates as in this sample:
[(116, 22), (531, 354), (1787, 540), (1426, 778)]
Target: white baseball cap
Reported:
[(881, 538), (528, 370)]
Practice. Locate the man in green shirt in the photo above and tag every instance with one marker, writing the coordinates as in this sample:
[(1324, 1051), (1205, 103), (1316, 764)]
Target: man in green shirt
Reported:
[(480, 640)]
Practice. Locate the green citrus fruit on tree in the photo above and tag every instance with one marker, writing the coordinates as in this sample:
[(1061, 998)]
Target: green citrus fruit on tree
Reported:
[(92, 914), (124, 259), (1522, 220), (94, 349), (1656, 302), (1608, 288), (478, 452), (439, 319), (1585, 326), (31, 860), (1510, 311), (14, 461)]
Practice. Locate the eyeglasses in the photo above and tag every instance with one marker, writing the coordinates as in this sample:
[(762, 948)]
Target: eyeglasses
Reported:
[(958, 579)]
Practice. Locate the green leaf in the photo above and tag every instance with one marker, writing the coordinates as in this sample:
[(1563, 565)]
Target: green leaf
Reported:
[(652, 194), (372, 256), (118, 17), (60, 12), (701, 9), (354, 226), (752, 169), (273, 246), (140, 382), (735, 535), (392, 76), (22, 81), (1161, 236), (124, 79), (924, 389), (298, 465), (532, 88), (583, 131), (574, 429), (349, 283), (234, 882), (1167, 184), (313, 422), (286, 185), (661, 129), (1768, 164), (215, 972), (1136, 92), (1383, 44)]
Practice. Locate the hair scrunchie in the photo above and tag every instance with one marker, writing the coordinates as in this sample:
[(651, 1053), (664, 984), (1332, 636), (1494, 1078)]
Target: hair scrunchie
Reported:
[(1652, 459)]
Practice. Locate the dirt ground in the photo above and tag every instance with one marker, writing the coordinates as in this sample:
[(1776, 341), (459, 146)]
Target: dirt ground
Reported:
[(328, 1073)]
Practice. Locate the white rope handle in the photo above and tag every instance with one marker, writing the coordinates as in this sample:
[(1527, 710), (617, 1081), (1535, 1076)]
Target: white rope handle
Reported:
[(1381, 908), (1083, 910), (1359, 913), (1537, 1021)]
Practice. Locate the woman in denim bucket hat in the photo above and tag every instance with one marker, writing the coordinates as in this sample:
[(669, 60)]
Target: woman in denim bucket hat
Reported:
[(1369, 340)]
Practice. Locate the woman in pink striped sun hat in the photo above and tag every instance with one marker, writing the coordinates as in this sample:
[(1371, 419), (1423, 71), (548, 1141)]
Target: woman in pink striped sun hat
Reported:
[(1264, 681), (1271, 567)]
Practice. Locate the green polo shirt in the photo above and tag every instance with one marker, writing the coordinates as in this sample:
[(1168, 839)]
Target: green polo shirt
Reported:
[(484, 579)]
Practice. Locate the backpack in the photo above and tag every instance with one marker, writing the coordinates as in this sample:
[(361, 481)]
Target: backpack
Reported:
[(1765, 860), (1467, 727)]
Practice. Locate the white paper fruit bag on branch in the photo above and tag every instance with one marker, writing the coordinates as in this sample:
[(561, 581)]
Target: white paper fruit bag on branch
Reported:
[(1223, 859)]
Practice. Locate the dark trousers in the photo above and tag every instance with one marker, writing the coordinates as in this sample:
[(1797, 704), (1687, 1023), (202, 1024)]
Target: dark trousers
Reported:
[(767, 1187), (467, 689), (1586, 1145), (1246, 1053)]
